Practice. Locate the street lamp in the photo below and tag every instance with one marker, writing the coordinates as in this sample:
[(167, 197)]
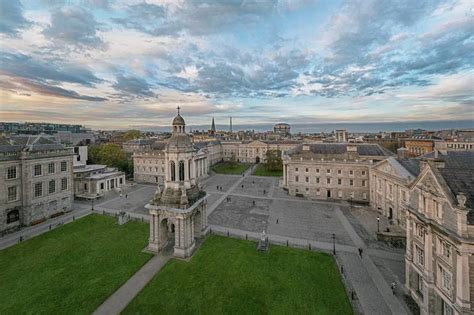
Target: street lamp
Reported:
[(92, 204), (333, 243), (351, 202), (378, 224)]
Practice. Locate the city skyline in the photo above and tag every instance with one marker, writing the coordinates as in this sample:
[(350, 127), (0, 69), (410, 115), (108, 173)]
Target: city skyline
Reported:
[(123, 64)]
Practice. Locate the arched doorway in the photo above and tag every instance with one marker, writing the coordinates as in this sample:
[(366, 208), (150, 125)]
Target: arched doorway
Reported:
[(197, 219), (166, 233), (257, 160)]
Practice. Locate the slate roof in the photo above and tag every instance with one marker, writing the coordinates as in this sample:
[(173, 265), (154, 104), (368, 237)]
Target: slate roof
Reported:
[(341, 148), (458, 173), (29, 143), (411, 165)]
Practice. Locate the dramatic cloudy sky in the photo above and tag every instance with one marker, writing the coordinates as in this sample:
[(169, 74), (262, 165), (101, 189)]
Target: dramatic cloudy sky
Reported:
[(123, 64)]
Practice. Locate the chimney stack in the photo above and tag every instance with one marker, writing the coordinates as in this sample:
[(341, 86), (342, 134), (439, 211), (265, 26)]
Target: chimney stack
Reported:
[(402, 153)]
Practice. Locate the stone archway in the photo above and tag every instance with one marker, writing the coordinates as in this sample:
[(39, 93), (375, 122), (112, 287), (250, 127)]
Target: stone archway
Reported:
[(166, 233), (197, 224)]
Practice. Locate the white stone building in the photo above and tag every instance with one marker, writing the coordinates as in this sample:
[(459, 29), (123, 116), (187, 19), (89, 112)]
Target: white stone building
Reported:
[(439, 258), (94, 180), (331, 171), (36, 180)]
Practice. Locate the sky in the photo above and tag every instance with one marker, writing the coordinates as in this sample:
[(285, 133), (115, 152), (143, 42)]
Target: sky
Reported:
[(116, 64)]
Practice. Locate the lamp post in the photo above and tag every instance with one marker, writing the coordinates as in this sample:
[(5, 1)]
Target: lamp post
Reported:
[(92, 204), (351, 202), (333, 243), (378, 224)]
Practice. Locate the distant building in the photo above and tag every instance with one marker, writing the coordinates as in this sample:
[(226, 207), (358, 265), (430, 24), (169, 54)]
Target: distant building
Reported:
[(212, 131), (137, 145), (420, 145), (37, 181), (282, 128), (37, 128), (80, 155), (341, 135), (450, 145)]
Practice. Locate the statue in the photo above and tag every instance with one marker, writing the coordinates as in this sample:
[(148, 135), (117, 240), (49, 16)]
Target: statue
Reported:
[(461, 198)]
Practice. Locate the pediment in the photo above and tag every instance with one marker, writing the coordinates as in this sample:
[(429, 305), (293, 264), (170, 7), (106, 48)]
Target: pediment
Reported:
[(429, 183), (392, 167)]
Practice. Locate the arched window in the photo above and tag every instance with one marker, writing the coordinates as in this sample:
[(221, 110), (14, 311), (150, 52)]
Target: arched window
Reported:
[(173, 171), (13, 216), (181, 170), (189, 168)]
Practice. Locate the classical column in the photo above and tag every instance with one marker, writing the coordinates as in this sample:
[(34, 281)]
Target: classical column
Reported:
[(186, 171), (176, 171)]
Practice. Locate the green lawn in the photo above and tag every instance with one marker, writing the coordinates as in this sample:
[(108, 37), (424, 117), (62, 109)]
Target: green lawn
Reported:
[(228, 276), (72, 269), (262, 171), (228, 168)]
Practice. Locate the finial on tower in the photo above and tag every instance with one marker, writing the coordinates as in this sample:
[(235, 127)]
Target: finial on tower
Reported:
[(178, 108)]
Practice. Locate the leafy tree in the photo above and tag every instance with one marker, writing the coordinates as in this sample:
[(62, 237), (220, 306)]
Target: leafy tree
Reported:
[(273, 161), (232, 160), (110, 154), (132, 134)]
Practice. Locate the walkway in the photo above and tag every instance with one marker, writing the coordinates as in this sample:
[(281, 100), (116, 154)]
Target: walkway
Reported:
[(117, 302)]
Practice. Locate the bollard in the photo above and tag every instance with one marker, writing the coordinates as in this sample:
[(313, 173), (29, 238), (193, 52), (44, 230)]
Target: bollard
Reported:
[(309, 246), (246, 237), (50, 227), (352, 294), (227, 233), (286, 243), (342, 270)]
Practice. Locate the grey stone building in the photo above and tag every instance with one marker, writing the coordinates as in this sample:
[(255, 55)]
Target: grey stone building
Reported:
[(439, 258), (331, 171), (36, 180)]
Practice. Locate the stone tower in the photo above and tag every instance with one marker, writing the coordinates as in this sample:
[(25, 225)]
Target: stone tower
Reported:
[(179, 210)]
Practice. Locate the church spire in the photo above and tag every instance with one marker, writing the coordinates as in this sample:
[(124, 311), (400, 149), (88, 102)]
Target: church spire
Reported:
[(213, 125)]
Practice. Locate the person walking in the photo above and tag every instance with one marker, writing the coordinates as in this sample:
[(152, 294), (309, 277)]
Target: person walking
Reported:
[(360, 252), (394, 287), (253, 202), (277, 221)]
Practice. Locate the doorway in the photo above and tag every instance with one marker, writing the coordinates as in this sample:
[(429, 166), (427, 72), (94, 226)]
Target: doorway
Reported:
[(257, 160)]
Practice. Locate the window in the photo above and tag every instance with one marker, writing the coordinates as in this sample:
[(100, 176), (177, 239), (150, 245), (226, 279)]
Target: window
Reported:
[(439, 210), (420, 285), (444, 278), (102, 186), (420, 256), (12, 193), (121, 180), (419, 231), (296, 178), (339, 181), (364, 183), (296, 169), (64, 183), (13, 216), (307, 170), (318, 192), (52, 186), (404, 195), (317, 180), (63, 166), (328, 181), (11, 172), (51, 168), (351, 172), (351, 182), (38, 190), (363, 173), (339, 172), (317, 170), (37, 170), (307, 189), (307, 179), (328, 171), (364, 196), (339, 194)]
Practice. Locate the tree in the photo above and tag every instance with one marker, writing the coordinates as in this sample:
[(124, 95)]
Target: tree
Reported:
[(273, 161), (232, 160), (132, 134), (110, 154)]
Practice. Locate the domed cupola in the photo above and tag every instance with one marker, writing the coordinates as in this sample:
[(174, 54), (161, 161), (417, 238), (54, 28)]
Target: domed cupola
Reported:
[(178, 123)]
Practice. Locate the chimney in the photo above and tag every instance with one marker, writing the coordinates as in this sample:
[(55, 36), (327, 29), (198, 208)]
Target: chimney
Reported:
[(305, 147), (402, 153)]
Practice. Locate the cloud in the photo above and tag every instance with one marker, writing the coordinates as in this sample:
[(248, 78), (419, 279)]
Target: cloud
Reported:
[(19, 65), (11, 17), (23, 86), (133, 86), (74, 26)]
